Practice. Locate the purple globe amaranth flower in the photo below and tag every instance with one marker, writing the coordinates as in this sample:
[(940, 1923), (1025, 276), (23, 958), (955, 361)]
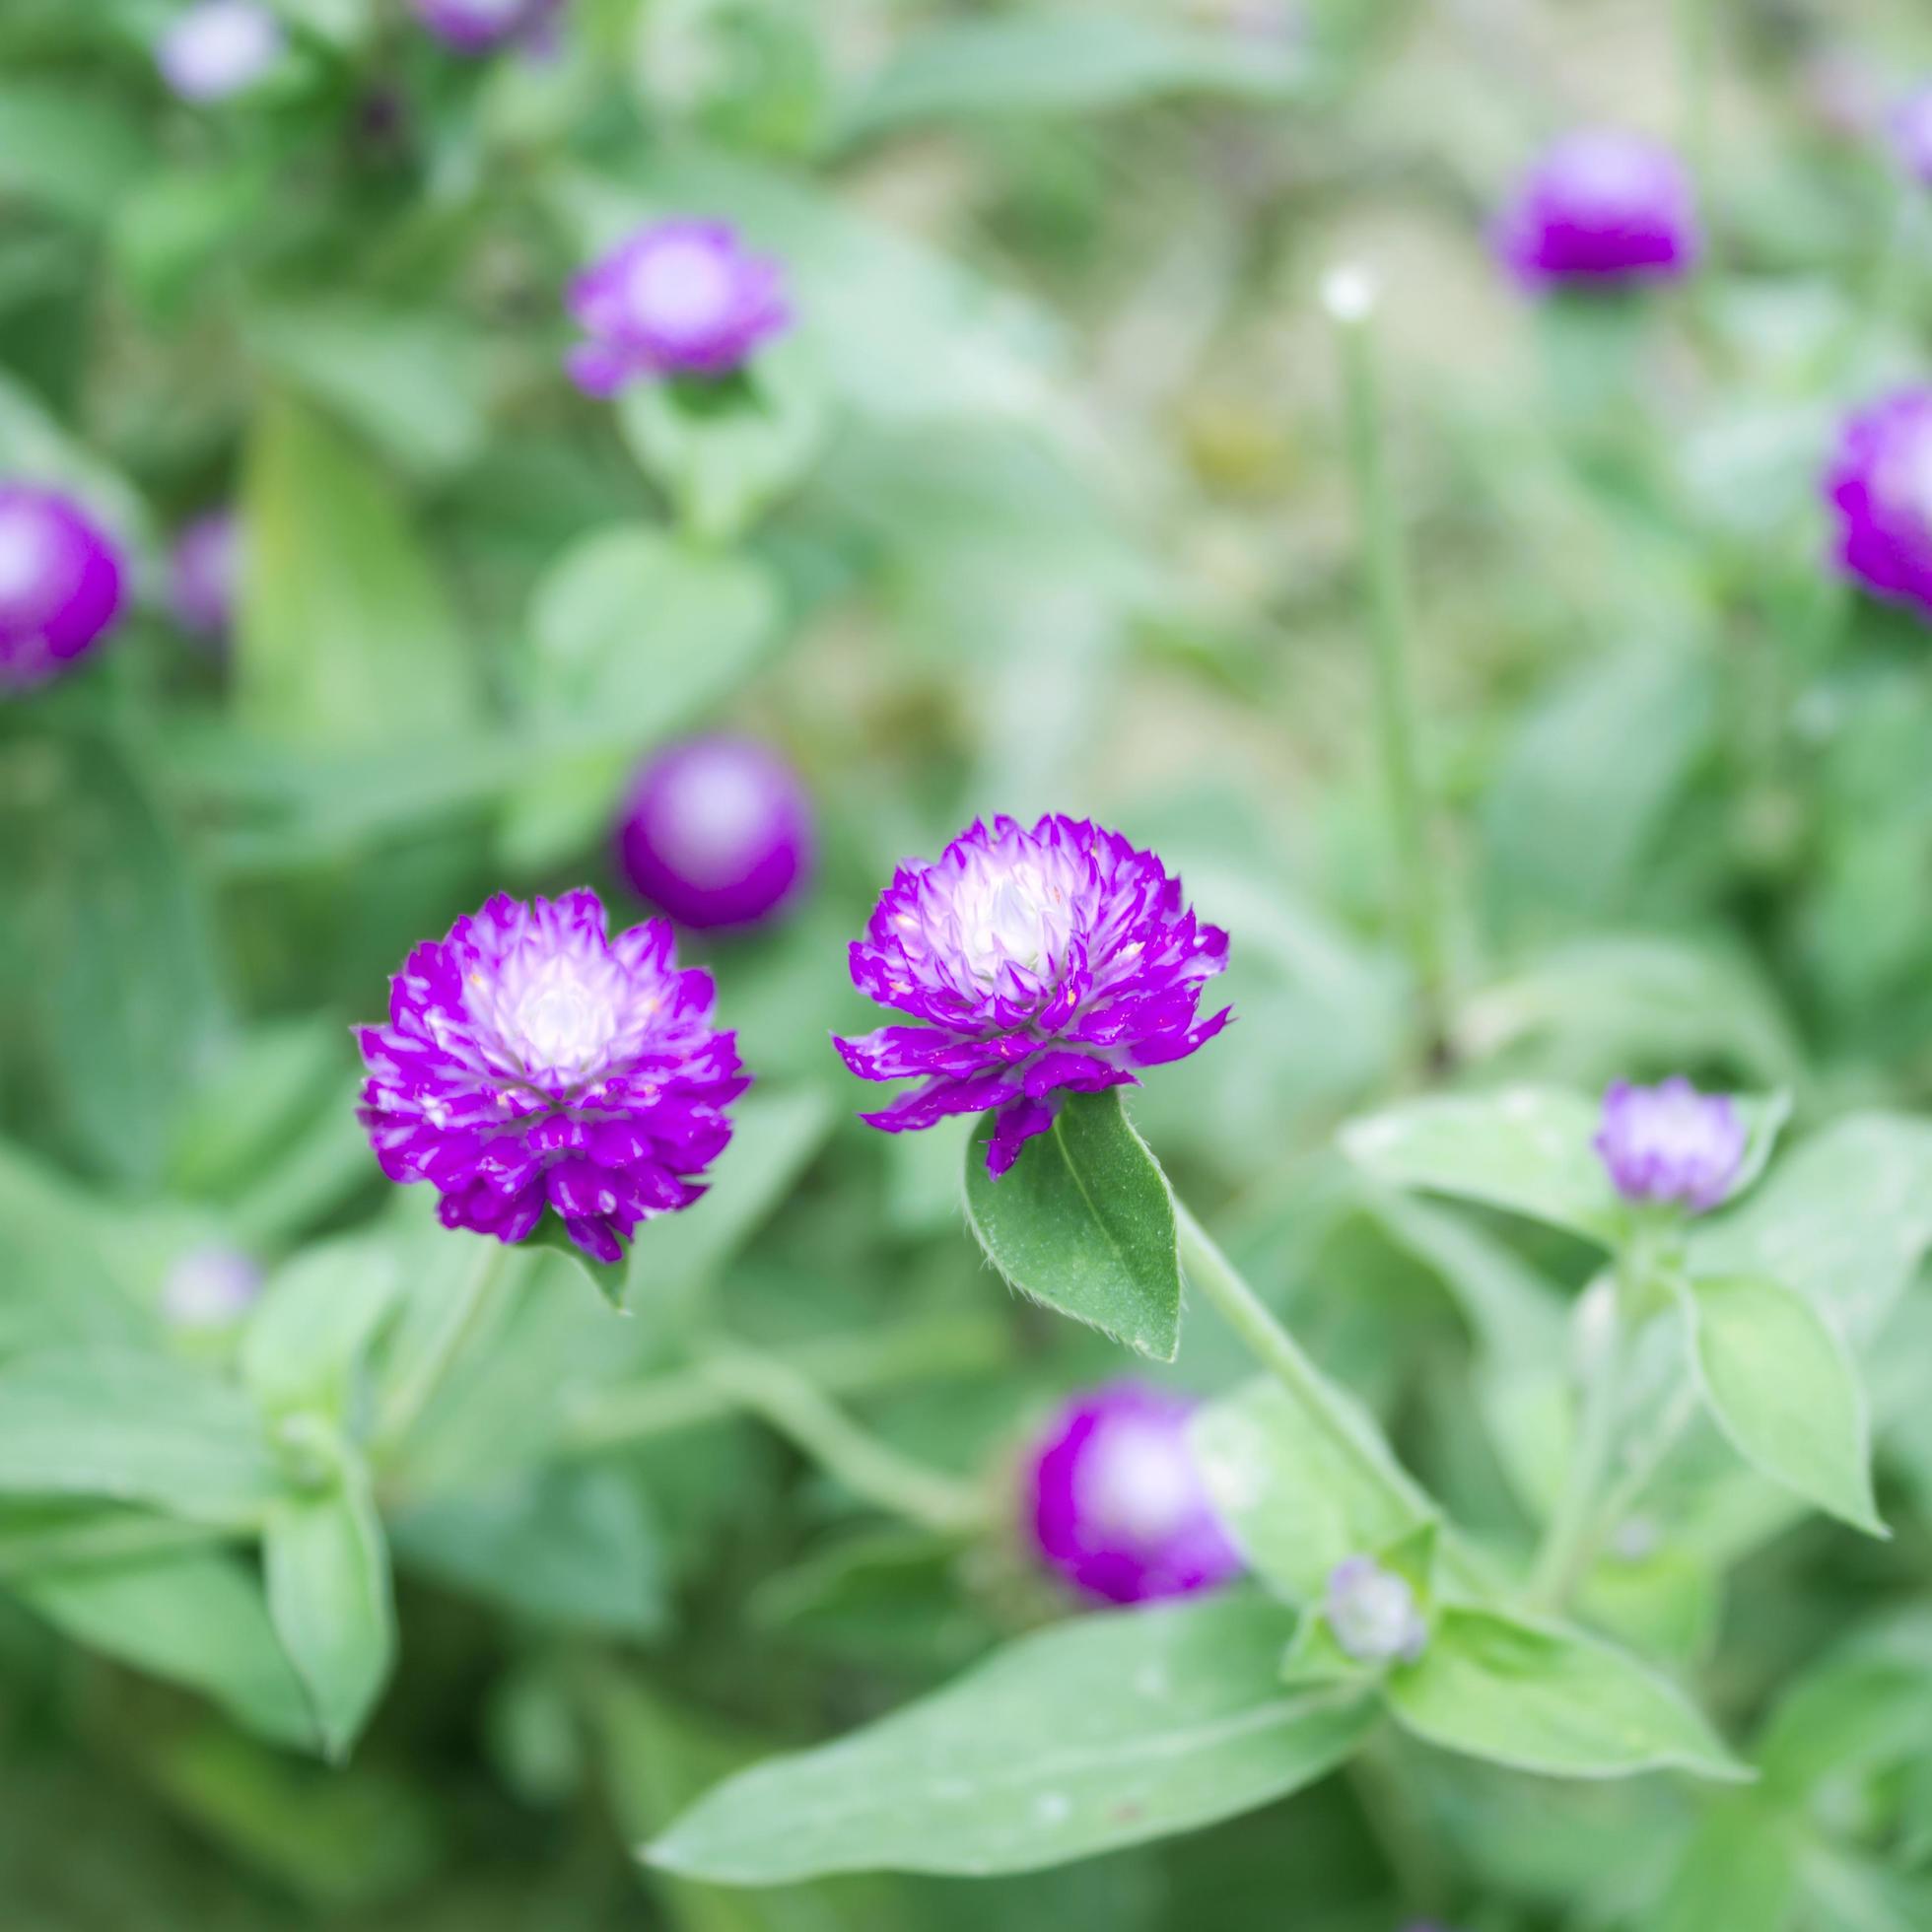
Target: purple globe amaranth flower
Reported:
[(61, 585), (717, 832), (1117, 1502), (202, 576), (679, 298), (1044, 961), (1911, 135), (476, 26), (531, 1061), (1600, 208), (219, 48), (1879, 484), (1672, 1143), (1373, 1614)]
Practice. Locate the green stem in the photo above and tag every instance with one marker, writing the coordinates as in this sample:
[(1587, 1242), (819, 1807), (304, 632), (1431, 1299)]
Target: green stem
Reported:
[(1351, 301), (799, 1408), (457, 1321)]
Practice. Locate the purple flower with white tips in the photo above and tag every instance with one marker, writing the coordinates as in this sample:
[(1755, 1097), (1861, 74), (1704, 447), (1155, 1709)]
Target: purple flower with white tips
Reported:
[(717, 832), (1044, 961), (1672, 1143), (219, 48), (680, 298), (201, 575), (1879, 484), (476, 26), (532, 1062), (1600, 208), (60, 585), (1117, 1502)]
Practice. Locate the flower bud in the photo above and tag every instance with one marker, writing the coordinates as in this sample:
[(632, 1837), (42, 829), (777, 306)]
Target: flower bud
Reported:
[(1600, 208), (210, 1287), (201, 575), (1373, 1614), (60, 585), (219, 48), (1670, 1144), (1879, 486)]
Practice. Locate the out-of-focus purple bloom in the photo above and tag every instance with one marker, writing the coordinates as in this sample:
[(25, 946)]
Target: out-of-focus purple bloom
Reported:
[(679, 298), (1600, 208), (717, 832), (1672, 1143), (201, 575), (1911, 134), (1044, 961), (1373, 1614), (476, 26), (60, 585), (210, 1287), (532, 1062), (1879, 484), (219, 48), (1117, 1502)]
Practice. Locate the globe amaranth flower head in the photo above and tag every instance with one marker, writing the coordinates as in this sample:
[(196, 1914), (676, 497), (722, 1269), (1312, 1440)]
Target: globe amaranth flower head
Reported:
[(476, 26), (531, 1061), (679, 298), (717, 832), (1044, 960), (1373, 1614), (201, 575), (1115, 1501), (1880, 487), (61, 585), (1672, 1143), (218, 49), (1600, 208)]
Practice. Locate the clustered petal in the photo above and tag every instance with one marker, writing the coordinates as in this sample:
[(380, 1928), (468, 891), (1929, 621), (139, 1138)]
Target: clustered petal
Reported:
[(1879, 484), (61, 585), (1117, 1503), (679, 298), (1600, 207), (1043, 960), (531, 1061), (1672, 1143)]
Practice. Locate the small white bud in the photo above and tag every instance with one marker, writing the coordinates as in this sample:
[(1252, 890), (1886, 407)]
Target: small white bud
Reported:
[(1349, 293)]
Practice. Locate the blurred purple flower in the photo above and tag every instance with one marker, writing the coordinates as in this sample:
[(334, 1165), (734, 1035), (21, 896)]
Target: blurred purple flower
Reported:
[(210, 1287), (717, 832), (1671, 1142), (219, 48), (60, 585), (1046, 961), (679, 298), (1117, 1503), (1911, 134), (1373, 1614), (1600, 208), (531, 1061), (1880, 483), (475, 26), (201, 575)]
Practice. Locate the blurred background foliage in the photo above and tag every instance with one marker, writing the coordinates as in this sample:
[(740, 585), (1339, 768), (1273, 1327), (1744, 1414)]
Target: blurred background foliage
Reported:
[(1050, 511)]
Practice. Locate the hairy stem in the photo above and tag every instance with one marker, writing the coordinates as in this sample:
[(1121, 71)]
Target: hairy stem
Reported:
[(459, 1320)]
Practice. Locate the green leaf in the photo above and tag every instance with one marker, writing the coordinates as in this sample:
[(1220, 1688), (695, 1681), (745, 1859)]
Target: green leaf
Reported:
[(72, 152), (135, 1428), (314, 1318), (1066, 63), (1302, 1486), (328, 1592), (1549, 1699), (1738, 1872), (1779, 1382), (345, 639), (1082, 1222), (1524, 1148), (1103, 1732), (193, 1618)]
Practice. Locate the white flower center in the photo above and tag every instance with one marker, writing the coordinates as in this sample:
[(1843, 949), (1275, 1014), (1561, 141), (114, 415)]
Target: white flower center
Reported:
[(713, 824), (559, 1023), (1134, 1482), (27, 554), (679, 288), (1010, 914)]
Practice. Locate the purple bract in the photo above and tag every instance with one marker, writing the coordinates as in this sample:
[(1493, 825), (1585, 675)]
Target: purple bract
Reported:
[(531, 1061), (1879, 484), (1373, 1614), (477, 26), (1117, 1503), (1600, 208), (218, 49), (201, 575), (717, 832), (1044, 961), (1672, 1143), (60, 585), (680, 298)]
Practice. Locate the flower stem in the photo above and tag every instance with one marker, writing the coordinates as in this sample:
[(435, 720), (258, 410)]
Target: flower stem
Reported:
[(457, 1321), (799, 1410), (1351, 302)]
